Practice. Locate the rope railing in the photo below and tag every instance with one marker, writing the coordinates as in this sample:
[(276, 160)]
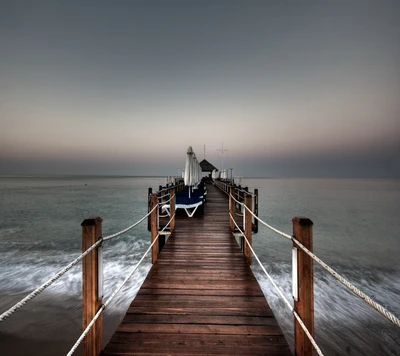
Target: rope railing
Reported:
[(163, 203), (106, 238), (168, 188), (103, 306), (162, 197), (263, 222), (390, 316), (395, 320), (217, 184), (167, 201), (246, 191), (41, 288), (316, 347), (58, 275), (237, 201)]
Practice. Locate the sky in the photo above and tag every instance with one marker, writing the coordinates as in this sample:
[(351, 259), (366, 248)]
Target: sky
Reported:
[(290, 88)]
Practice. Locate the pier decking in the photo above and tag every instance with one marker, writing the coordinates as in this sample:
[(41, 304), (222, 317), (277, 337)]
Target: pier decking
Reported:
[(200, 297)]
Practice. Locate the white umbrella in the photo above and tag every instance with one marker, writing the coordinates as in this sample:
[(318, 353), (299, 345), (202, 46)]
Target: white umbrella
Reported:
[(189, 167), (196, 170), (214, 174)]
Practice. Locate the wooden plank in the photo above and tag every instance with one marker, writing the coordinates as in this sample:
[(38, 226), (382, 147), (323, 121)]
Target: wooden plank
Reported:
[(201, 329), (200, 297), (227, 292), (126, 349), (198, 340), (200, 319), (197, 303), (216, 311)]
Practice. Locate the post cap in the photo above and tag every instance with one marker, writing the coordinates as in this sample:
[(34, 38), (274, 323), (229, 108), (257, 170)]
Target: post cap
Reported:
[(92, 221), (301, 220)]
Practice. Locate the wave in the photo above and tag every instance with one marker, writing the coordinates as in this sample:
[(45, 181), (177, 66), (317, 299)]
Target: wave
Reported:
[(23, 271), (344, 324)]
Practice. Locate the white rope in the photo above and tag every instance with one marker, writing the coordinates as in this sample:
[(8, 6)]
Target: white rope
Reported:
[(245, 191), (395, 320), (106, 238), (40, 289), (162, 197), (237, 201), (167, 201), (350, 286), (85, 332), (168, 188), (269, 226), (316, 347)]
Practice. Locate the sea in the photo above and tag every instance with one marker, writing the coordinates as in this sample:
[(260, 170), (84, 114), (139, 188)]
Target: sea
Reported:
[(356, 231)]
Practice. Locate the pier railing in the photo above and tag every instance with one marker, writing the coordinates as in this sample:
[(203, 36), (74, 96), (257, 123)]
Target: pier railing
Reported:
[(240, 199), (163, 194), (92, 270), (302, 269), (240, 193)]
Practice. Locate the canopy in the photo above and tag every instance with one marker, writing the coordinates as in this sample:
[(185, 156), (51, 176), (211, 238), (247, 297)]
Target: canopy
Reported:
[(207, 166)]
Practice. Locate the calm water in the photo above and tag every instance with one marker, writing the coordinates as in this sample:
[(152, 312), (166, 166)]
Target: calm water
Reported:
[(356, 231)]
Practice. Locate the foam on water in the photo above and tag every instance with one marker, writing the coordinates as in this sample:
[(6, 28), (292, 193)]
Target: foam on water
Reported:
[(344, 324), (9, 231), (24, 270)]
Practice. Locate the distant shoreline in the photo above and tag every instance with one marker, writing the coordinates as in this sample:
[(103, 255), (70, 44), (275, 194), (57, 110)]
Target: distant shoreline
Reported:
[(83, 176), (74, 176)]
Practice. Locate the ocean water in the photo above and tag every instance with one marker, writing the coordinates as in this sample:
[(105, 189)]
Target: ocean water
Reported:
[(356, 231)]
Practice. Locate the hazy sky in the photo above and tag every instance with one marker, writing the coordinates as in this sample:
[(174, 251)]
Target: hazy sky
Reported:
[(292, 88)]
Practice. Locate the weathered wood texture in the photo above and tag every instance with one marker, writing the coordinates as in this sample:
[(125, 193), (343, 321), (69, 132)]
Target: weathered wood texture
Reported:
[(154, 228), (200, 297), (248, 228), (91, 233), (304, 306)]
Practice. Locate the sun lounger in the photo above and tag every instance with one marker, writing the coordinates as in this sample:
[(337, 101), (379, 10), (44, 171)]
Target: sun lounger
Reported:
[(182, 201)]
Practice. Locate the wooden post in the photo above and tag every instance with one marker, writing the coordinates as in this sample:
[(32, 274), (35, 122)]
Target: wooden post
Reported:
[(247, 227), (148, 208), (239, 198), (91, 233), (161, 238), (154, 227), (172, 209), (232, 205), (160, 194), (246, 189), (256, 209), (304, 306)]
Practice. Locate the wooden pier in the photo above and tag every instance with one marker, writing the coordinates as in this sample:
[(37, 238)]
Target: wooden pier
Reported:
[(200, 297)]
